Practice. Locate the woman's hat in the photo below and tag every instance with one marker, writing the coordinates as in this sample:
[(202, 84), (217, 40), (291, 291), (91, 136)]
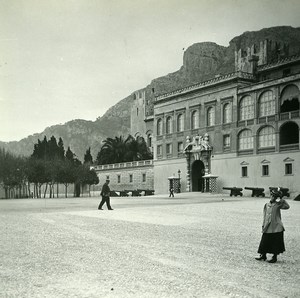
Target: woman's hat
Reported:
[(277, 193)]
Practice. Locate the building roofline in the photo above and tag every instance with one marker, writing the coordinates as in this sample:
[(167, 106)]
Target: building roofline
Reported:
[(279, 63), (208, 83)]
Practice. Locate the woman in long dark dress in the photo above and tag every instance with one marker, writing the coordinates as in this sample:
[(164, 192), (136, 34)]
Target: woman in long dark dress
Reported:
[(272, 240)]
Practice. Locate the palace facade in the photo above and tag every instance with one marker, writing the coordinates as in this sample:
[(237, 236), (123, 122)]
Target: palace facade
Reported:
[(240, 129)]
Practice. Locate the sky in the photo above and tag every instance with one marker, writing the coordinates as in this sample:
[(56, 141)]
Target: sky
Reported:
[(74, 59)]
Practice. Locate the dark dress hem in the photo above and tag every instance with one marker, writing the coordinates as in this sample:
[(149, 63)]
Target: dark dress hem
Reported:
[(271, 243)]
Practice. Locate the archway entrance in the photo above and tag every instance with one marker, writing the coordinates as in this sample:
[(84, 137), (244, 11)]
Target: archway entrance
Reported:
[(197, 174)]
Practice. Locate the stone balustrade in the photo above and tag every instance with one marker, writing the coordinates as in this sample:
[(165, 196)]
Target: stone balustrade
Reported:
[(122, 165)]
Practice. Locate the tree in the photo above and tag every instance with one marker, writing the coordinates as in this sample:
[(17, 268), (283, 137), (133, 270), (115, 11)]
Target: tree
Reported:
[(52, 148), (70, 156), (88, 159), (137, 149), (120, 150), (61, 149), (49, 150), (112, 151), (86, 176), (66, 175), (37, 174), (12, 175), (89, 177)]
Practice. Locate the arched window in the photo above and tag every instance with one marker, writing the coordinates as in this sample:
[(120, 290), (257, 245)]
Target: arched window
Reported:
[(245, 140), (169, 124), (210, 116), (289, 99), (266, 137), (246, 108), (266, 104), (159, 127), (180, 124), (289, 133), (194, 120), (226, 113)]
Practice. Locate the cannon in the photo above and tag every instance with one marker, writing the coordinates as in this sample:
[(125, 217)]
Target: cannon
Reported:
[(113, 193), (123, 193), (234, 191), (149, 192), (146, 192), (134, 193), (284, 190), (256, 191)]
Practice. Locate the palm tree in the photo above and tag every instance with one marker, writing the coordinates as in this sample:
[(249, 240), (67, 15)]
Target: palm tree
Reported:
[(137, 149), (119, 150), (112, 151)]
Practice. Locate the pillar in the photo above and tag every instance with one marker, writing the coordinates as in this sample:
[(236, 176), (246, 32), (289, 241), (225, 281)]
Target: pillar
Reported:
[(188, 171)]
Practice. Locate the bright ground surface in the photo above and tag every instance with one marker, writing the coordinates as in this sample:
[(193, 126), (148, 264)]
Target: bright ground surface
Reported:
[(191, 246)]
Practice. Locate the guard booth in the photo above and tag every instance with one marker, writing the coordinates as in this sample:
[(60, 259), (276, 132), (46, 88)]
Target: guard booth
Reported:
[(210, 183), (174, 182)]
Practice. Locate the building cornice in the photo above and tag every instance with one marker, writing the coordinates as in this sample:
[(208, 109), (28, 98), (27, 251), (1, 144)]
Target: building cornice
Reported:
[(279, 63), (268, 84), (209, 83)]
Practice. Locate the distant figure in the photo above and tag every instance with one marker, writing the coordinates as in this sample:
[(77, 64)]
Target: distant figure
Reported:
[(171, 192), (272, 238), (105, 193)]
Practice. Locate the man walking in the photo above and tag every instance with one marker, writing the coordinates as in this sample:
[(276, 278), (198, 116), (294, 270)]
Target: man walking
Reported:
[(105, 193), (171, 192)]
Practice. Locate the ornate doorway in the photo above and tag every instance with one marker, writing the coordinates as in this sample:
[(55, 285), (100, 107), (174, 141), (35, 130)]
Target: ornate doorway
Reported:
[(198, 157), (197, 175)]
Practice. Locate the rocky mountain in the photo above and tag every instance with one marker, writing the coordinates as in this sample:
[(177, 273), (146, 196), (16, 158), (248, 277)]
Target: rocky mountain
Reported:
[(80, 134), (201, 61)]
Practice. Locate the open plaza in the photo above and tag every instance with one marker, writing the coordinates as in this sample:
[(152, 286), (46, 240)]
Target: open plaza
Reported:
[(193, 245)]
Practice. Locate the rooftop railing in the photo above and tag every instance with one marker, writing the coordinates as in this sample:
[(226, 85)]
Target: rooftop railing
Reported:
[(121, 165), (279, 62)]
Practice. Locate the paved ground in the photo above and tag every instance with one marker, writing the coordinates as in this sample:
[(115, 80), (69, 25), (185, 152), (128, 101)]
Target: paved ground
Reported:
[(191, 246)]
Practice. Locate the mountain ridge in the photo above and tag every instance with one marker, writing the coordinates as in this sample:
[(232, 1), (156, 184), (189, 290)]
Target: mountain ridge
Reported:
[(201, 61)]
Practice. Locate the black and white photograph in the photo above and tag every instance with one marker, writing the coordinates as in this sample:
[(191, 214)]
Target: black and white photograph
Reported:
[(149, 148)]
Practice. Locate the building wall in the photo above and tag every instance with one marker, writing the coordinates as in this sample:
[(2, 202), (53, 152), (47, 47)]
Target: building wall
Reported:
[(168, 168), (260, 68), (137, 124), (142, 109), (229, 172), (123, 171), (198, 101), (272, 74), (227, 162)]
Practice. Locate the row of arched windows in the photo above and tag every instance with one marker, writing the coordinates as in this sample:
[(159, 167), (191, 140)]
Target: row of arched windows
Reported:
[(169, 124), (267, 138), (289, 101), (266, 106), (194, 120)]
